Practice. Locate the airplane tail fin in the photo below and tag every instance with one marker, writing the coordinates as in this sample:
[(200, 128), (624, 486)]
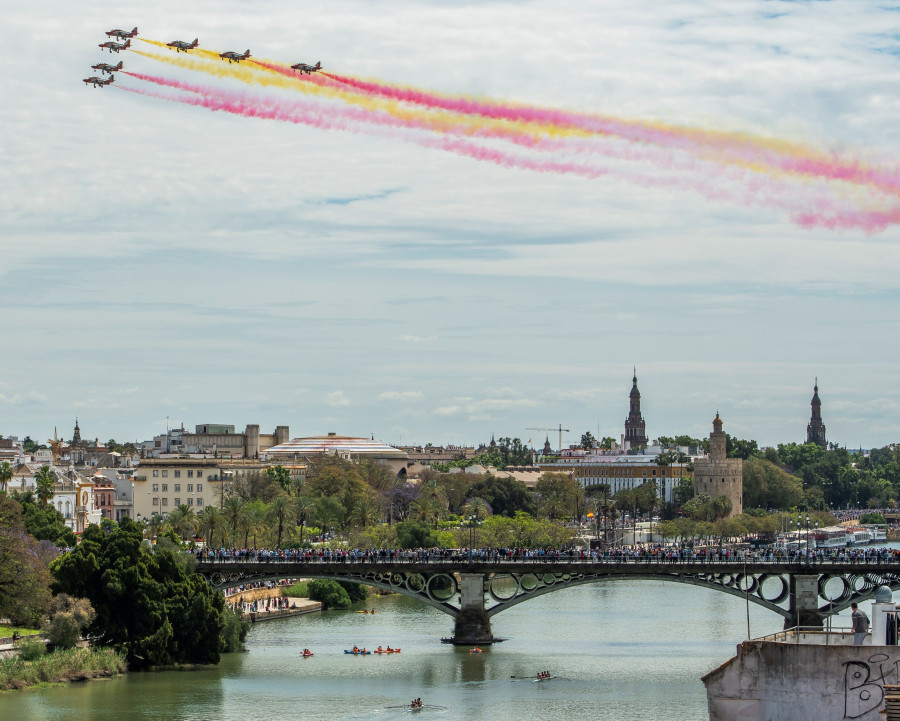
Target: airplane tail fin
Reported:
[(318, 64), (195, 43), (119, 66), (134, 32), (128, 43), (247, 53)]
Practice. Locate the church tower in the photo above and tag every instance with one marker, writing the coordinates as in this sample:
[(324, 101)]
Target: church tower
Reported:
[(815, 431), (635, 428), (76, 438)]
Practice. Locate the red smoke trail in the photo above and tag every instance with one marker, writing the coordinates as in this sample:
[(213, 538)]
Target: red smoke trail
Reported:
[(820, 211), (749, 150)]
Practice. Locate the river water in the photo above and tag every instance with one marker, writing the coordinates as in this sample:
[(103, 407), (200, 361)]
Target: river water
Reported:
[(623, 651)]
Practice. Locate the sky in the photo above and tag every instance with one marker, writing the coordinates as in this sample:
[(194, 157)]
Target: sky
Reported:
[(162, 263)]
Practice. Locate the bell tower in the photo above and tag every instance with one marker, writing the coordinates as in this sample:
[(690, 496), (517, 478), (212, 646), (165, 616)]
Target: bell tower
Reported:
[(635, 428), (815, 431)]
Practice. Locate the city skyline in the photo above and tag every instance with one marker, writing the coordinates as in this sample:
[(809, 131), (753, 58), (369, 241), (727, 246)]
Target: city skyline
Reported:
[(161, 260)]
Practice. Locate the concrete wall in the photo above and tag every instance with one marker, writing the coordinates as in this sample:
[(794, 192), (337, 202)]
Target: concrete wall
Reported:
[(784, 681)]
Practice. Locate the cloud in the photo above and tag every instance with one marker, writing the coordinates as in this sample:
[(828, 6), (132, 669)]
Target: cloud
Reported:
[(446, 410), (29, 398), (337, 398), (401, 396)]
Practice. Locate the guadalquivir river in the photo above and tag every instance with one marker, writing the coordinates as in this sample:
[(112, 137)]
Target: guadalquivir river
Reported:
[(624, 651)]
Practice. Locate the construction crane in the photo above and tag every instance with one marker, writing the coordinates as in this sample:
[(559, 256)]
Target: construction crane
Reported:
[(561, 430)]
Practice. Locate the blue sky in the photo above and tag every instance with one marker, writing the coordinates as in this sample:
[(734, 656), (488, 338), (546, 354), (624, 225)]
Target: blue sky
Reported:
[(159, 260)]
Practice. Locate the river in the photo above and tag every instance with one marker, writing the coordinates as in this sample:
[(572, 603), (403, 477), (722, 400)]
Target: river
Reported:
[(623, 651)]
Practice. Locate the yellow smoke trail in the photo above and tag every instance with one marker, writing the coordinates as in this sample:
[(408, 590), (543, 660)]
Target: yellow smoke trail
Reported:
[(435, 120)]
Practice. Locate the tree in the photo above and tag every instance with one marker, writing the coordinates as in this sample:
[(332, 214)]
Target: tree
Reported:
[(232, 510), (329, 593), (68, 619), (44, 481), (587, 440), (24, 572), (412, 534), (280, 512), (506, 495), (183, 521), (150, 605), (740, 448), (44, 522), (558, 493), (304, 512), (768, 486), (6, 474), (211, 521), (280, 475)]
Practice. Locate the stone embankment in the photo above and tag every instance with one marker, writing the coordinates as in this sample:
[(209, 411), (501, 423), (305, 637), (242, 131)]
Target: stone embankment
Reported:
[(271, 596)]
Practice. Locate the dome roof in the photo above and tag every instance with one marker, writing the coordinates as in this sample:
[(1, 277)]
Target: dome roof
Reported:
[(883, 594), (333, 444)]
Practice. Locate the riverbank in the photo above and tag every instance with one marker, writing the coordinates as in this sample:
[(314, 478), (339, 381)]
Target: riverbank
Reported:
[(296, 607), (62, 666)]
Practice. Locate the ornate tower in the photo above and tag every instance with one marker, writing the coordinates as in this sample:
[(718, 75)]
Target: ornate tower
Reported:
[(719, 475), (815, 431), (76, 438), (635, 428)]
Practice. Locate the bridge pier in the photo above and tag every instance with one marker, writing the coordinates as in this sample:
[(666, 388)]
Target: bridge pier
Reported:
[(804, 602), (473, 625)]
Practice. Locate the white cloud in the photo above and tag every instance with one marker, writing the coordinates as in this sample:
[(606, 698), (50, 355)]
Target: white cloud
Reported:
[(337, 398), (401, 396), (447, 410), (29, 398)]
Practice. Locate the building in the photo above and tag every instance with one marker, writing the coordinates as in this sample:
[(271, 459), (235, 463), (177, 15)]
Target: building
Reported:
[(216, 440), (346, 447), (635, 428), (815, 431), (718, 475)]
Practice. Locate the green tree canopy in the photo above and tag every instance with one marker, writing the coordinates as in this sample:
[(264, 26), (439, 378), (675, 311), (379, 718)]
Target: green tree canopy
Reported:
[(506, 495), (150, 605), (24, 568)]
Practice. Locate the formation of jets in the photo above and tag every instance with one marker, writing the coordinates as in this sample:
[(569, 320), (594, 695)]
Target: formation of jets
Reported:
[(233, 57), (304, 68), (181, 46)]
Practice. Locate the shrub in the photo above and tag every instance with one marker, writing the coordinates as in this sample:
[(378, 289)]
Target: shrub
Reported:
[(31, 650), (329, 593), (356, 591), (297, 590), (69, 617), (234, 630)]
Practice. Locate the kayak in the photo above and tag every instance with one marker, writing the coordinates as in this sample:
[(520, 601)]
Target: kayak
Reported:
[(365, 611), (391, 650), (357, 653), (306, 655), (475, 650), (543, 678)]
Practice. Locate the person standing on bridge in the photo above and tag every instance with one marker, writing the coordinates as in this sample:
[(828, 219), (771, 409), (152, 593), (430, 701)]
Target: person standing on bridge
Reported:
[(860, 625)]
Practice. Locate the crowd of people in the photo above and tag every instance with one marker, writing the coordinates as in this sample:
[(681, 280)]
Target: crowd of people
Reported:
[(640, 553)]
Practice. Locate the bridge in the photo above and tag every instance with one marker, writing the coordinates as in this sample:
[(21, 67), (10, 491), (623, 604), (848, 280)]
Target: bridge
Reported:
[(473, 591)]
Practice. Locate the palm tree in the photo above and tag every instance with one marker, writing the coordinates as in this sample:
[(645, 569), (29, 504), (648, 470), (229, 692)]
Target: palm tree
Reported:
[(304, 512), (210, 521), (281, 511), (6, 474), (232, 511), (183, 521), (44, 480), (477, 507), (255, 518), (364, 514)]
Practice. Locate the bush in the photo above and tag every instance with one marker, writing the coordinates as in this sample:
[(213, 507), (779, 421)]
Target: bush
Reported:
[(297, 590), (31, 650), (69, 617), (356, 591), (329, 593), (234, 630)]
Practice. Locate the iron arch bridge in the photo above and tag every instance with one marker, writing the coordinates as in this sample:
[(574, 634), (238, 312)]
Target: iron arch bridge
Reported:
[(473, 592)]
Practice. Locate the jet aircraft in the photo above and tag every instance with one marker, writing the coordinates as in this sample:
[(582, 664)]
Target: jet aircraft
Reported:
[(107, 68), (99, 82), (121, 34), (304, 68), (234, 57), (181, 46), (115, 47)]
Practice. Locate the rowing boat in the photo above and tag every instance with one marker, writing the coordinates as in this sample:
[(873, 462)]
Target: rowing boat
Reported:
[(361, 652), (387, 650)]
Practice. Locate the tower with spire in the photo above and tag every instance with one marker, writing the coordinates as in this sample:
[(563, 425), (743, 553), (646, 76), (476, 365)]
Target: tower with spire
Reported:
[(76, 437), (717, 475), (815, 431), (635, 428)]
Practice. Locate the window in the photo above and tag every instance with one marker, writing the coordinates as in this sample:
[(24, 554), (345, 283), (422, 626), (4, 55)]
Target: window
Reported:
[(165, 474), (155, 501), (199, 502), (165, 501), (177, 486), (177, 501), (190, 501), (156, 474), (190, 486), (156, 488), (177, 474), (190, 474), (165, 487), (199, 487)]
